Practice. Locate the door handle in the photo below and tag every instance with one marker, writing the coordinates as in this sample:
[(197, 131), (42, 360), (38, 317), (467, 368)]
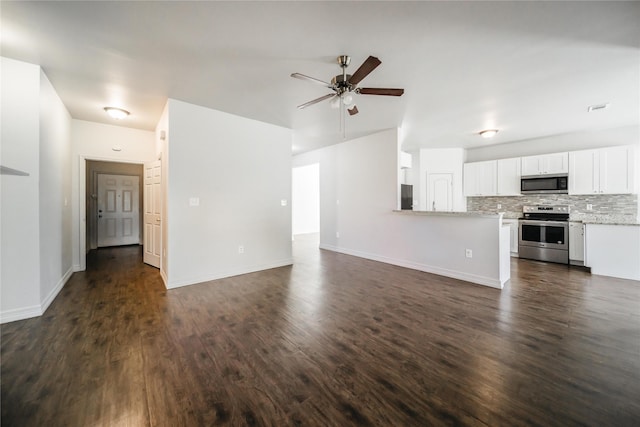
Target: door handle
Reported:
[(99, 216), (157, 219)]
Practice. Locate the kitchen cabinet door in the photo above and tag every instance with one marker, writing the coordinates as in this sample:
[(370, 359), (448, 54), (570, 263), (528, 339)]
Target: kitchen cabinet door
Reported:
[(508, 172), (470, 179), (513, 225), (584, 172), (576, 243), (556, 163), (602, 171), (617, 170), (545, 164), (530, 165), (480, 178)]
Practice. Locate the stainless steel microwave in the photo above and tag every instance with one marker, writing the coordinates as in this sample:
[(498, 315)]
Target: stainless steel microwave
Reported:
[(545, 184)]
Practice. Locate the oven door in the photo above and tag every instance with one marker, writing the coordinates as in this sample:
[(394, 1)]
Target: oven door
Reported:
[(544, 234)]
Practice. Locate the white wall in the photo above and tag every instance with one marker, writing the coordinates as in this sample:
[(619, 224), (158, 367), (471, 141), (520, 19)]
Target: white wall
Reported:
[(240, 170), (36, 215), (20, 256), (54, 192), (358, 194), (442, 160), (95, 141), (305, 199), (628, 135)]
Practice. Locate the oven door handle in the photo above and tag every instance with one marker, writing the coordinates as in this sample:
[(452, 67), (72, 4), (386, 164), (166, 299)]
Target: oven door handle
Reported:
[(537, 222)]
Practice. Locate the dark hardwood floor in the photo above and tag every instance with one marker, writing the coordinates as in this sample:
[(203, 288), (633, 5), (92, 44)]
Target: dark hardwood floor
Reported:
[(332, 341)]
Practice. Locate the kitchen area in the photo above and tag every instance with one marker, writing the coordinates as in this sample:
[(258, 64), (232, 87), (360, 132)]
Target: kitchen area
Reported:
[(578, 208)]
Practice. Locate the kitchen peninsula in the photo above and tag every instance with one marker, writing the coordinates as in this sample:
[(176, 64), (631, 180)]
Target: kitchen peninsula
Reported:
[(471, 246)]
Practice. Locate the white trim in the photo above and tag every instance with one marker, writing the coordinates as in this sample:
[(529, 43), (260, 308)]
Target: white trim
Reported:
[(473, 278), (36, 310), (222, 275), (20, 313), (164, 277), (55, 291), (82, 202)]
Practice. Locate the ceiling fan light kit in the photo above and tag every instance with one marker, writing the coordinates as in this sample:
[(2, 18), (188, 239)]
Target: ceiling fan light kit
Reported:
[(345, 86)]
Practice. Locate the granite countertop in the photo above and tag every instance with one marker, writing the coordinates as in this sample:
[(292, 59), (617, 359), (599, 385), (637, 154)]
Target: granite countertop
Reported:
[(582, 218), (612, 219), (605, 219), (608, 222), (477, 214)]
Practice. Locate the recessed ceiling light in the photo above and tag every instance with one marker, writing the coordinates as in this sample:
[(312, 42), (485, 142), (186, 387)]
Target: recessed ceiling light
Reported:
[(488, 133), (116, 113), (597, 107)]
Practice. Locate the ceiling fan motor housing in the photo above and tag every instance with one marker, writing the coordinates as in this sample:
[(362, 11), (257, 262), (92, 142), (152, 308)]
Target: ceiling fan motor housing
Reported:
[(341, 82)]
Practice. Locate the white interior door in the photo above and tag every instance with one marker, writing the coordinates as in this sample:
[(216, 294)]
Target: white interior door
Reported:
[(440, 191), (118, 210), (152, 210)]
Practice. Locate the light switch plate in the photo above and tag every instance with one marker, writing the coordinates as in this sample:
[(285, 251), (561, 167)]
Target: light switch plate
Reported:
[(283, 202), (194, 201)]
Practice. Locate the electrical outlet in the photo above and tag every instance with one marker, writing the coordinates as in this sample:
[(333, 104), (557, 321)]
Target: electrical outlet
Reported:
[(468, 253), (337, 234), (194, 201), (499, 206), (240, 249), (589, 207), (283, 202)]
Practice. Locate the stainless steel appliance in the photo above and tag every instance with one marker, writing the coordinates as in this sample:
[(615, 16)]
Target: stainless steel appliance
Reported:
[(544, 233), (544, 184), (406, 197)]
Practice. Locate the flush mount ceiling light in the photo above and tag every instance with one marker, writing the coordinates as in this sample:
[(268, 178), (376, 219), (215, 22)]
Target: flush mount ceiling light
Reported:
[(116, 113), (597, 107), (488, 133)]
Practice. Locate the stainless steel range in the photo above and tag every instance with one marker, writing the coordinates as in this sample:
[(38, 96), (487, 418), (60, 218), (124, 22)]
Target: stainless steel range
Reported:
[(544, 233)]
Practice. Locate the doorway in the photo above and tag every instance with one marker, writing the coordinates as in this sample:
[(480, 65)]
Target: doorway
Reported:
[(305, 200), (132, 227)]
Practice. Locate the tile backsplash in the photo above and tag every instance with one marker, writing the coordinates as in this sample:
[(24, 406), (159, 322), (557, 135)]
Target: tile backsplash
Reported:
[(612, 206)]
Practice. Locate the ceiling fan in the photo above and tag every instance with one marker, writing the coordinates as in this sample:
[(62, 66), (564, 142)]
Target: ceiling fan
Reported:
[(345, 85)]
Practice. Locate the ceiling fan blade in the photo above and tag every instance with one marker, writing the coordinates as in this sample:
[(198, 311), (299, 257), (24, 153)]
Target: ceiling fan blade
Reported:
[(367, 66), (315, 101), (311, 79), (353, 111), (380, 91)]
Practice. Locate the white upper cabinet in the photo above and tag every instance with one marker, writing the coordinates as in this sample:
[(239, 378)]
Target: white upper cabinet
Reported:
[(602, 171), (546, 164), (584, 172), (480, 178), (508, 172)]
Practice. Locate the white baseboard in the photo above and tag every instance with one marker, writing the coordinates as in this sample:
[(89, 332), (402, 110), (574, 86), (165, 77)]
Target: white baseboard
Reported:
[(36, 310), (165, 280), (222, 275), (20, 313), (56, 290), (454, 274)]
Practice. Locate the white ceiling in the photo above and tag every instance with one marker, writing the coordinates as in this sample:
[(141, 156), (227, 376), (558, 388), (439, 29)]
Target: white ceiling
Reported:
[(527, 68)]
